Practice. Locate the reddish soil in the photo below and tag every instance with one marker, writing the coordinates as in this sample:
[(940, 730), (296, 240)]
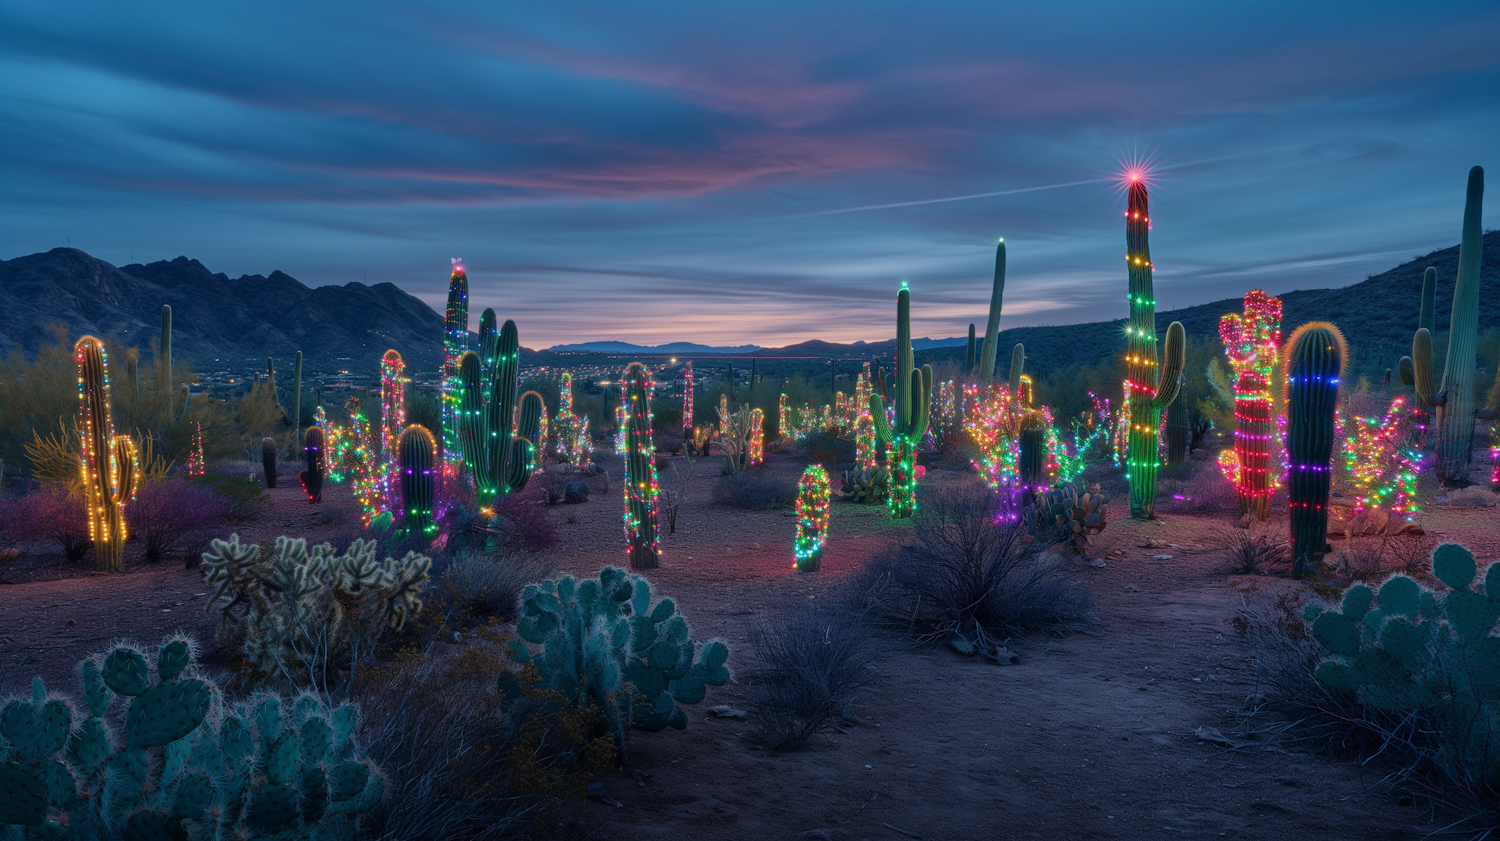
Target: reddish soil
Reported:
[(1091, 735)]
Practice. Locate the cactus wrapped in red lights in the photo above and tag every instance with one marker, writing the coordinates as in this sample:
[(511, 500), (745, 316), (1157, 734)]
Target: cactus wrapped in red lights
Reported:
[(1250, 341), (913, 399), (455, 344), (109, 463), (392, 417), (1147, 390), (755, 446), (812, 518), (1315, 358), (196, 463), (866, 456), (417, 454), (641, 490), (572, 431), (311, 479), (687, 401)]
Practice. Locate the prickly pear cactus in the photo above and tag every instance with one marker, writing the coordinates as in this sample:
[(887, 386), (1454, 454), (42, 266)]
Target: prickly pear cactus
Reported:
[(1069, 514), (869, 485), (173, 773), (604, 645), (1407, 648)]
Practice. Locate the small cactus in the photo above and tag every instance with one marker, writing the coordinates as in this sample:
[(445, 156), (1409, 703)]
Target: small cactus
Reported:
[(268, 450), (417, 453), (1069, 514), (311, 479), (812, 518)]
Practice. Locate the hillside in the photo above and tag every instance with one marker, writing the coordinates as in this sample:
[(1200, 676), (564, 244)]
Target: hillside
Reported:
[(214, 317)]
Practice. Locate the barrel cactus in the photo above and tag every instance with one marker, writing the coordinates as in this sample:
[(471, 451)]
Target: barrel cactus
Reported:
[(1315, 358), (604, 646), (108, 462), (417, 453)]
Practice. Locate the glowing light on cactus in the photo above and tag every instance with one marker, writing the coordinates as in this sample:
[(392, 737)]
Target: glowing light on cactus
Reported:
[(687, 400), (196, 466), (994, 425), (812, 518), (455, 343), (756, 446), (1382, 467), (109, 464), (392, 417), (641, 489), (1250, 341)]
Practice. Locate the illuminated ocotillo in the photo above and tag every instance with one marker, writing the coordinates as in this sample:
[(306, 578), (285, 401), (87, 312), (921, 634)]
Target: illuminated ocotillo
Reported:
[(108, 462)]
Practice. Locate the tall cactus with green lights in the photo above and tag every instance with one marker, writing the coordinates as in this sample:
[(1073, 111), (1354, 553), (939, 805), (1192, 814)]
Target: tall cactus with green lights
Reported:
[(417, 454), (455, 345), (108, 463), (1454, 398), (641, 489), (913, 394), (991, 349), (496, 440), (1148, 390), (1315, 358)]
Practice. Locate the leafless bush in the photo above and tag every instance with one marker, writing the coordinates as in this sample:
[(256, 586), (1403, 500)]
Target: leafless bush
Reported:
[(485, 586), (554, 483), (1249, 551), (1360, 559), (755, 490), (811, 666), (969, 575)]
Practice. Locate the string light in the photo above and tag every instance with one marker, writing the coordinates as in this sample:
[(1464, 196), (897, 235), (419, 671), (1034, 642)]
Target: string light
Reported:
[(455, 344), (1250, 341), (687, 401), (1382, 470), (812, 518), (641, 489), (756, 447), (109, 464), (392, 417), (195, 466)]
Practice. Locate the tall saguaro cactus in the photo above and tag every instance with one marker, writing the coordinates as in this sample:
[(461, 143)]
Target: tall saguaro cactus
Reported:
[(455, 345), (1315, 359), (164, 352), (392, 417), (1251, 341), (109, 463), (913, 394), (495, 439), (1454, 399), (641, 489), (991, 347), (1147, 390), (417, 452)]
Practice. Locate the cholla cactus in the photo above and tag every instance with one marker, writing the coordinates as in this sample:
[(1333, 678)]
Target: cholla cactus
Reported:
[(604, 646), (295, 606), (183, 766)]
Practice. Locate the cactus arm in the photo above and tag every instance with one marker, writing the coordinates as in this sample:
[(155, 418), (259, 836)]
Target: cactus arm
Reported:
[(969, 360), (1421, 356), (921, 386), (882, 422), (1174, 352), (1429, 300), (125, 469), (1017, 367), (1406, 371), (991, 346), (904, 359), (489, 339)]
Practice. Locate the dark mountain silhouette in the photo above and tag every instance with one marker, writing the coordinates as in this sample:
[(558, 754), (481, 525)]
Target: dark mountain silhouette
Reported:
[(214, 317)]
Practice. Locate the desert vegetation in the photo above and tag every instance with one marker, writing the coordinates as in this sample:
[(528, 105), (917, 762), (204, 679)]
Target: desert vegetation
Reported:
[(512, 604)]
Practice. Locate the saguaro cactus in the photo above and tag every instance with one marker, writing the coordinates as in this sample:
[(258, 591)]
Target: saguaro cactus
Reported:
[(812, 518), (970, 362), (392, 418), (164, 352), (1017, 369), (498, 455), (311, 479), (455, 345), (1454, 400), (1147, 390), (1314, 364), (109, 463), (297, 391), (991, 347), (687, 401), (913, 393), (418, 454), (640, 470), (268, 450)]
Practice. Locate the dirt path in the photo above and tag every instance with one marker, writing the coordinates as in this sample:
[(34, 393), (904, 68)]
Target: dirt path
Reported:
[(1091, 735)]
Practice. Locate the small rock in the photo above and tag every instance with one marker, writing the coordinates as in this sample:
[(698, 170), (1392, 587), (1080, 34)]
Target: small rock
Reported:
[(576, 492), (1097, 562), (725, 711), (1199, 454), (1151, 543), (1161, 557), (457, 638), (1003, 656), (961, 645), (1211, 734), (1286, 781), (755, 546)]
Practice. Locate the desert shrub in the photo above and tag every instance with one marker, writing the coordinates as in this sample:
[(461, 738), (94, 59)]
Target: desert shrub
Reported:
[(829, 450), (968, 575), (245, 497), (605, 647), (1197, 487), (52, 513), (488, 585), (523, 523), (170, 510), (755, 490), (811, 665), (554, 482), (463, 762), (307, 615), (1250, 551), (188, 764)]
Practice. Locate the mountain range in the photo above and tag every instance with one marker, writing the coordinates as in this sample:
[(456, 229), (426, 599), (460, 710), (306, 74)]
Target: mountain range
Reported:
[(243, 320)]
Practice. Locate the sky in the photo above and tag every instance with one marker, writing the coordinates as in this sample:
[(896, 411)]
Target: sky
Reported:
[(763, 173)]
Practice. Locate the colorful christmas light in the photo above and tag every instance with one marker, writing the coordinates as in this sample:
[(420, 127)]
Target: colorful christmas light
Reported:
[(641, 489), (1382, 468), (812, 518), (1250, 341), (687, 400), (196, 465), (455, 344), (392, 417), (756, 446)]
